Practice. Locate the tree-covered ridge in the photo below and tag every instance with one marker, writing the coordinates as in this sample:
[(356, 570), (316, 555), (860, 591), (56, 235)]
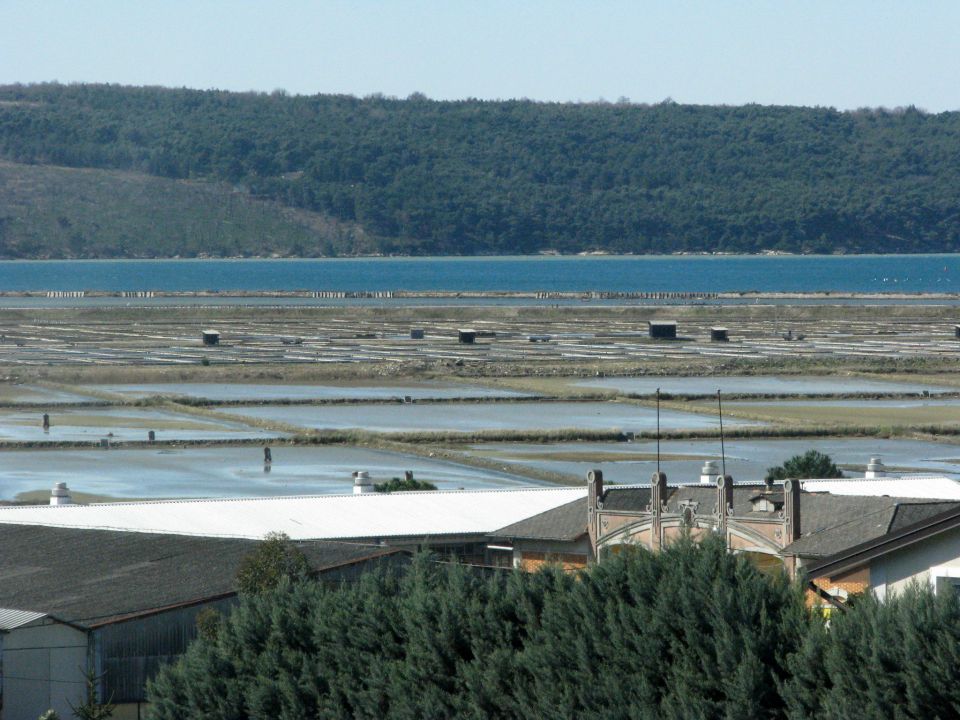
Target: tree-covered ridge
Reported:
[(473, 177), (52, 211)]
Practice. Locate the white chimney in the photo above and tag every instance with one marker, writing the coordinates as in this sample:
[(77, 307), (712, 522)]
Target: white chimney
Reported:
[(362, 483), (60, 495), (709, 472), (875, 469)]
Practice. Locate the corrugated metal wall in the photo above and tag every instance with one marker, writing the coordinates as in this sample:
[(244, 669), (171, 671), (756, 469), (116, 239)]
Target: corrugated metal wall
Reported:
[(133, 651)]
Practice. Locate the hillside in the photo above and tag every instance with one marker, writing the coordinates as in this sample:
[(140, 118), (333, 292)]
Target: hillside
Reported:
[(478, 177), (48, 211)]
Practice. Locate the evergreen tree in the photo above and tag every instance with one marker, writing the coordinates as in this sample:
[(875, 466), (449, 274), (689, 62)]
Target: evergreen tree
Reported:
[(690, 632), (811, 464)]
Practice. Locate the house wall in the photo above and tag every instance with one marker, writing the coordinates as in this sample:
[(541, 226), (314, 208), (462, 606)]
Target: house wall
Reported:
[(44, 665), (743, 533), (841, 586), (531, 555), (894, 572)]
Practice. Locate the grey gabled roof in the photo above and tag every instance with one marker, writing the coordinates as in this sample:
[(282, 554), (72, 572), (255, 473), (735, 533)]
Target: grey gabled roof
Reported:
[(90, 577), (905, 536), (828, 523), (567, 522)]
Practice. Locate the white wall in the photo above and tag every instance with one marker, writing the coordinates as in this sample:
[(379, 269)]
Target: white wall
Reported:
[(44, 665), (893, 573)]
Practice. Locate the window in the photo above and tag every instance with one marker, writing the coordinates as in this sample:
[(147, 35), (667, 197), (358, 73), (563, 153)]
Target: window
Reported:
[(945, 578)]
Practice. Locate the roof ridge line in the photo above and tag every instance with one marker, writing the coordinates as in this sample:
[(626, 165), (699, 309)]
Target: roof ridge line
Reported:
[(175, 501)]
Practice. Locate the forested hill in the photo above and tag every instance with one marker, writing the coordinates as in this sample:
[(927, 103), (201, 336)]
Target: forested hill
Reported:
[(477, 177)]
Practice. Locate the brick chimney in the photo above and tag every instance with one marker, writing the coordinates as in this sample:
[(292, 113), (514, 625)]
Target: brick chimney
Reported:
[(791, 510)]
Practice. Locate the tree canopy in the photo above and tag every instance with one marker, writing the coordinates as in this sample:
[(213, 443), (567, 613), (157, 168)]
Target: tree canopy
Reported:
[(482, 177), (691, 632), (698, 632), (404, 484), (811, 464), (275, 559)]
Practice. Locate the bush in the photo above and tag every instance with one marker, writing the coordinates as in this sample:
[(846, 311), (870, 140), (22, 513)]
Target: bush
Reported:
[(403, 484)]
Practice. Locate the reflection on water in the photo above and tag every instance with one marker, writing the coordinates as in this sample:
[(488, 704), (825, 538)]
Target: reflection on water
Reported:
[(746, 460), (250, 391), (229, 471), (118, 424), (471, 417)]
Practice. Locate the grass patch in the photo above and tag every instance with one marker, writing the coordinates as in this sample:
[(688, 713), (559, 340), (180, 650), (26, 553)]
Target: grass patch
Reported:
[(596, 457), (863, 415)]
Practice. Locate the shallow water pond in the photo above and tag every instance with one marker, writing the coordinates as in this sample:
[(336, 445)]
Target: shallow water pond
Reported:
[(90, 424), (228, 471), (473, 417), (245, 391), (37, 395), (746, 460)]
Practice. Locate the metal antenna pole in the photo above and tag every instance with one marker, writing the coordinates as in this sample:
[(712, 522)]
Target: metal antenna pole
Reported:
[(723, 452)]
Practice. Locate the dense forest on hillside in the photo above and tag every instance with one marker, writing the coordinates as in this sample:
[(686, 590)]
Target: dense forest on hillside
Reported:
[(477, 177)]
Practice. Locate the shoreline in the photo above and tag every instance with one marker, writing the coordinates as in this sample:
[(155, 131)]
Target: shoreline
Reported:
[(481, 294)]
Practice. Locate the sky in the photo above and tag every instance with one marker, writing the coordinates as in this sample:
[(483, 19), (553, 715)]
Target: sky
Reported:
[(843, 53)]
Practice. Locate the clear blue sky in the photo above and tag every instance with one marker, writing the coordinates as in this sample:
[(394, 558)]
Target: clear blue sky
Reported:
[(842, 53)]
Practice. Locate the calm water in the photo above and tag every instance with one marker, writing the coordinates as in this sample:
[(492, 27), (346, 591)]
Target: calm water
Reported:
[(122, 424), (863, 273), (747, 460), (252, 391), (229, 471), (474, 417)]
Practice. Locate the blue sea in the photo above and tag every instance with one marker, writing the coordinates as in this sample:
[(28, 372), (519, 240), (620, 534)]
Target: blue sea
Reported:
[(860, 274)]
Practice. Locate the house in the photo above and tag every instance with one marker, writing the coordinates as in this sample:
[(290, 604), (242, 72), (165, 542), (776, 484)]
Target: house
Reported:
[(923, 550), (117, 605), (557, 536), (834, 538)]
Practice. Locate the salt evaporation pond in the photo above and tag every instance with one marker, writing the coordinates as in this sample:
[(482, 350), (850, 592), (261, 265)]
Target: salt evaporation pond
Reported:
[(229, 471), (91, 424), (760, 384), (38, 395), (472, 417), (746, 460), (900, 403), (243, 391)]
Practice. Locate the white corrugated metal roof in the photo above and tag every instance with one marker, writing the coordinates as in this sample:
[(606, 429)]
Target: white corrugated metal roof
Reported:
[(937, 487), (315, 517), (10, 619)]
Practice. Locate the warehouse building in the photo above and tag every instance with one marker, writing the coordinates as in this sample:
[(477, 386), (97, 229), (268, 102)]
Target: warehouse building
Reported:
[(116, 605)]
